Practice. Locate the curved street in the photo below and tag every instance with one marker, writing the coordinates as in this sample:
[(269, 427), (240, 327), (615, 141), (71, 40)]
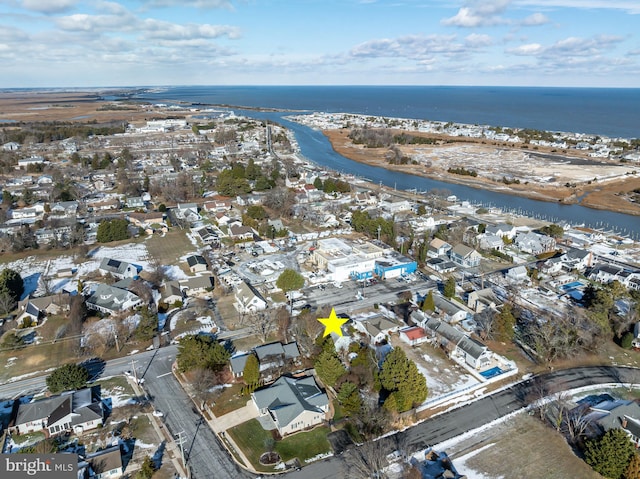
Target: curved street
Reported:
[(208, 458)]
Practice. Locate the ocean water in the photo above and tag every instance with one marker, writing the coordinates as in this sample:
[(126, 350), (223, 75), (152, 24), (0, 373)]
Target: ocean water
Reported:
[(601, 111)]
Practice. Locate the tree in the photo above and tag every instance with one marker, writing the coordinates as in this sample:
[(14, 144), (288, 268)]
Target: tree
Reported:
[(251, 373), (290, 280), (12, 341), (6, 303), (428, 304), (349, 398), (553, 230), (201, 351), (12, 284), (112, 230), (449, 288), (329, 367), (256, 212), (633, 469), (68, 377), (503, 326), (400, 376), (148, 325), (368, 460), (610, 454), (147, 470)]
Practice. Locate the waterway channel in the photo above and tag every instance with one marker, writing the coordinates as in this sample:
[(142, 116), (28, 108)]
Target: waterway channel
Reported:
[(315, 147)]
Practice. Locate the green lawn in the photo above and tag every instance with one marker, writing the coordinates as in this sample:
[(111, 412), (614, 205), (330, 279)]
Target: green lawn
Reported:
[(251, 438)]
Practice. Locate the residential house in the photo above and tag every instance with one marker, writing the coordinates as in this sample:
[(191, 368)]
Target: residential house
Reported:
[(208, 235), (616, 414), (241, 233), (490, 242), (118, 269), (502, 230), (248, 299), (606, 273), (111, 300), (481, 299), (414, 335), (103, 464), (471, 351), (441, 265), (188, 212), (197, 285), (196, 263), (64, 209), (577, 259), (451, 311), (377, 328), (275, 355), (11, 146), (75, 411), (135, 202), (465, 256), (238, 363), (36, 308), (293, 404), (171, 292), (534, 243), (518, 274), (102, 204)]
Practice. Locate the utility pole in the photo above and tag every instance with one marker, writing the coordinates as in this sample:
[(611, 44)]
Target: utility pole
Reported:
[(184, 462), (115, 335), (379, 228), (133, 370)]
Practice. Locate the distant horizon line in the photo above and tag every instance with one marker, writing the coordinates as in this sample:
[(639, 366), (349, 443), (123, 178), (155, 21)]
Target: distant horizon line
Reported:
[(122, 87)]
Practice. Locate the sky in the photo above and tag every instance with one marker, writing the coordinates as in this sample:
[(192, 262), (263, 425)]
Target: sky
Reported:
[(77, 43)]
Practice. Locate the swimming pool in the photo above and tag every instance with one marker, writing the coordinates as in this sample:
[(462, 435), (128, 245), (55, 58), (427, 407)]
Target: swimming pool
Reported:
[(572, 285), (489, 373)]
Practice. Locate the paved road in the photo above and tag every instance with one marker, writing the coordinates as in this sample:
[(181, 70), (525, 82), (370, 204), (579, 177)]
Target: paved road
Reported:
[(344, 299), (206, 457), (458, 421)]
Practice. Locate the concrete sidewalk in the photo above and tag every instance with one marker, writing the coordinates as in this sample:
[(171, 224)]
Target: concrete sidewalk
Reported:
[(234, 418)]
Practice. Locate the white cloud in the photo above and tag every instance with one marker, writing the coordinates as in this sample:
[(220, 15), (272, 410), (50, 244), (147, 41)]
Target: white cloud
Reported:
[(476, 40), (410, 46), (535, 20), (630, 6), (156, 29), (203, 4), (48, 6), (527, 50), (478, 14)]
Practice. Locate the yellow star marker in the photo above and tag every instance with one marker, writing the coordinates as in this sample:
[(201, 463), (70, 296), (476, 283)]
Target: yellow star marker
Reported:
[(332, 324)]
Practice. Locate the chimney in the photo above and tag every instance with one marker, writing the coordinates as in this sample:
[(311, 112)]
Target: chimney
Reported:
[(624, 422)]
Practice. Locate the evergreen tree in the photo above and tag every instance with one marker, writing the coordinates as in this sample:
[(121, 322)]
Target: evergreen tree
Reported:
[(329, 368), (148, 325), (610, 454), (11, 283), (428, 304), (450, 288), (147, 470), (68, 377), (504, 324), (251, 373), (201, 351), (400, 376), (349, 398), (112, 230)]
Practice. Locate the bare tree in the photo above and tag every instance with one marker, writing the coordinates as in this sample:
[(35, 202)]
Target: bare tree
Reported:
[(283, 320), (142, 290), (368, 460), (203, 383), (7, 303), (262, 323)]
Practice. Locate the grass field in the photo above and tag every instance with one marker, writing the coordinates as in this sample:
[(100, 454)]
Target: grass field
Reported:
[(251, 438), (168, 249), (524, 448)]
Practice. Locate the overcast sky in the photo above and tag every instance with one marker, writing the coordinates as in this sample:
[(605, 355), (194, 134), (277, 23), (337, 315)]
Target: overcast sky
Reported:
[(76, 43)]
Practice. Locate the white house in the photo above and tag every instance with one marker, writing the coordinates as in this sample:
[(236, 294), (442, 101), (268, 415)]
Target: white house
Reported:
[(248, 299), (293, 404)]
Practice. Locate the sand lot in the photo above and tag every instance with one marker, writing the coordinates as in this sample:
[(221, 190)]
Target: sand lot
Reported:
[(594, 182)]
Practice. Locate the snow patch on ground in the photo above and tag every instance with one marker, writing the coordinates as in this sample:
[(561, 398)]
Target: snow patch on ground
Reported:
[(463, 469), (174, 272), (144, 445)]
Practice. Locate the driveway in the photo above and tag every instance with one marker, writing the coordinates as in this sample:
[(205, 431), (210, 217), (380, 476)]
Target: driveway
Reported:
[(234, 418)]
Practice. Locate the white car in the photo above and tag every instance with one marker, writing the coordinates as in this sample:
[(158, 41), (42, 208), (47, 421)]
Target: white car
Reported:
[(157, 413)]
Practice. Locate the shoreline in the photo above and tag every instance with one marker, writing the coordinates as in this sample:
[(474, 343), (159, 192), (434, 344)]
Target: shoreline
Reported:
[(599, 196)]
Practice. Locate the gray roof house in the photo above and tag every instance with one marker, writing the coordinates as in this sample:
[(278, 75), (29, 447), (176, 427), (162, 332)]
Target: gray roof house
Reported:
[(474, 353), (464, 256), (76, 411), (196, 285), (109, 299), (118, 269), (617, 414), (269, 356), (294, 404), (104, 464)]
